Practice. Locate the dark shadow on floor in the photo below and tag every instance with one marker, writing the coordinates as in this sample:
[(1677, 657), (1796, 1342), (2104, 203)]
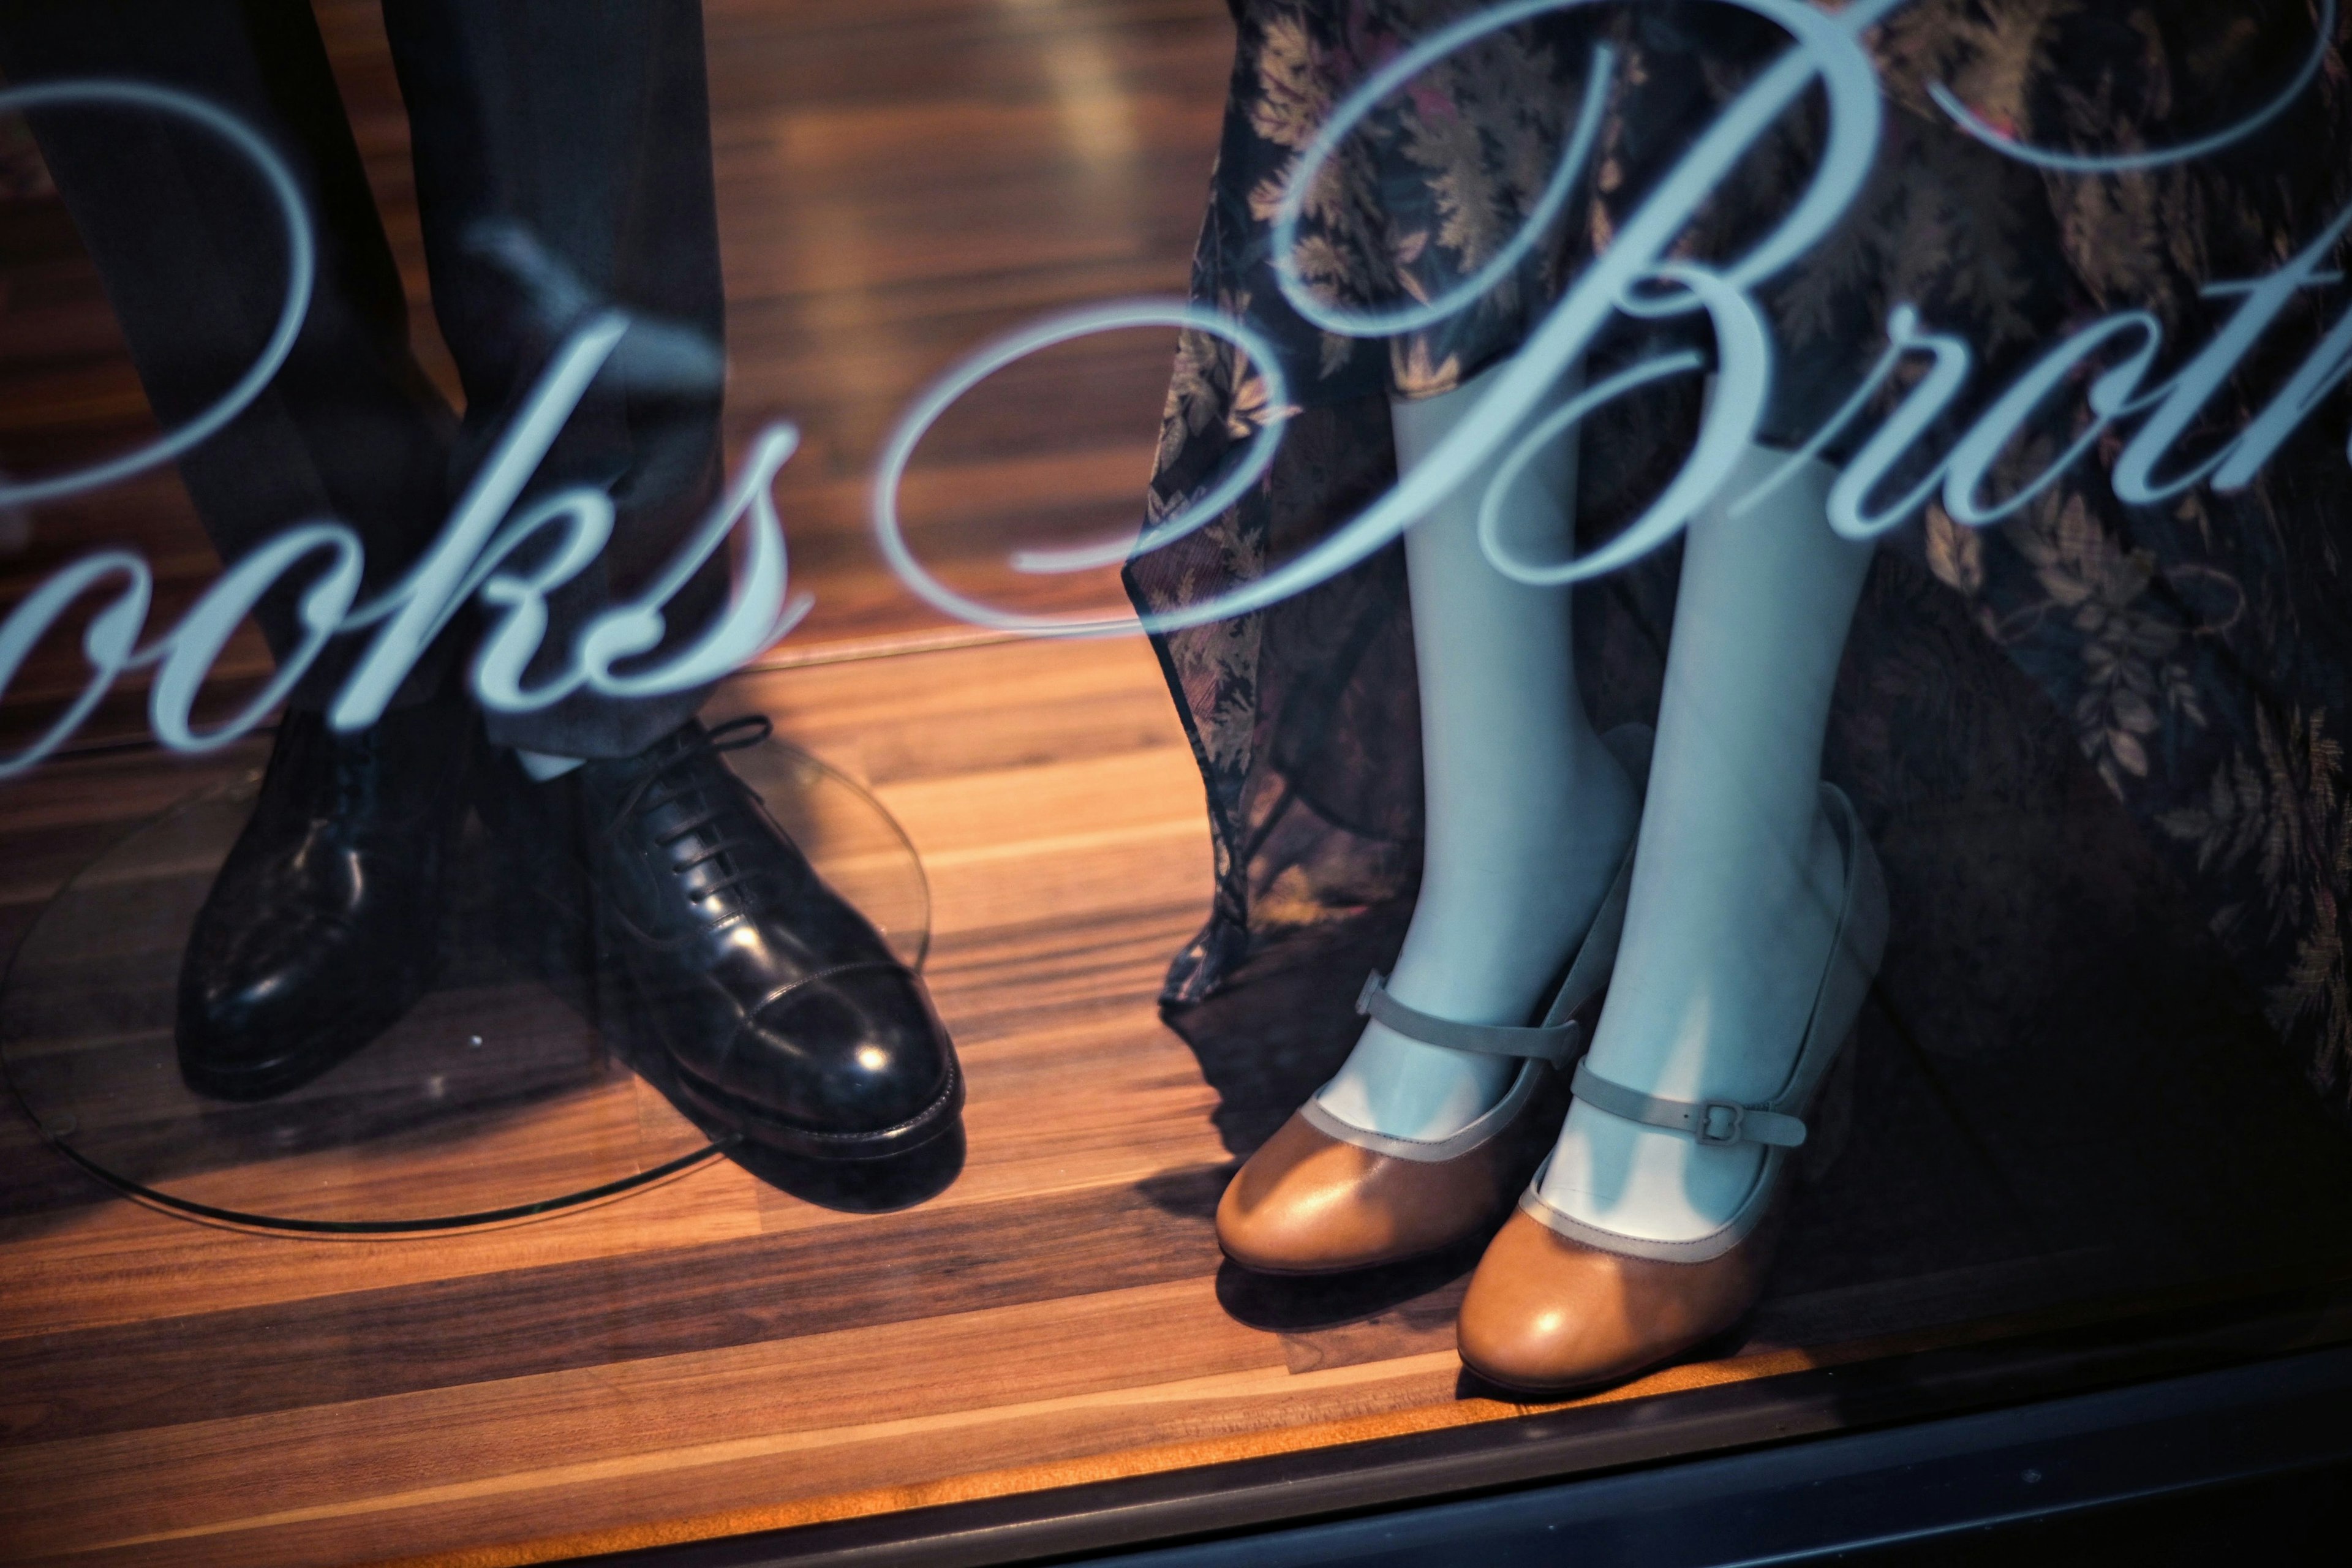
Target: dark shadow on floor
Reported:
[(1286, 1023)]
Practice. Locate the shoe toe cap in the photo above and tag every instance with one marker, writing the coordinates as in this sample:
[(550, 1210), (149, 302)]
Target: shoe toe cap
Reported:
[(1308, 1203), (1549, 1315), (1543, 1313), (858, 1051), (272, 1002)]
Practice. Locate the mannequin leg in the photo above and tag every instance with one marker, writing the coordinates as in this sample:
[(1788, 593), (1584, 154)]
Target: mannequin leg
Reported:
[(1736, 876), (1528, 813), (562, 159)]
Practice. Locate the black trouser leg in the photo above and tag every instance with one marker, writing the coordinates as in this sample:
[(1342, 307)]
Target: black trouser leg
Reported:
[(562, 159), (562, 156), (188, 243)]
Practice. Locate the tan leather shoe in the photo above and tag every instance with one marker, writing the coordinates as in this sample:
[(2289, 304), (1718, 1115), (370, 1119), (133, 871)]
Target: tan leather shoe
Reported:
[(1310, 1202), (1560, 1305), (1548, 1315), (1322, 1196)]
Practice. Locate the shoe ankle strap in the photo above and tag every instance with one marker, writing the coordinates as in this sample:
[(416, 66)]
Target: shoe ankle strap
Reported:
[(1557, 1044), (1716, 1122)]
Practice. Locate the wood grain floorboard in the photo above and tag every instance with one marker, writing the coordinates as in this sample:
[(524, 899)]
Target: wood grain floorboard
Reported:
[(104, 1262), (887, 1268), (814, 1470), (719, 1354), (701, 1403)]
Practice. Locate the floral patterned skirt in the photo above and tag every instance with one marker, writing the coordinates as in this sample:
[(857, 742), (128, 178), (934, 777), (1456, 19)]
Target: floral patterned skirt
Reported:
[(2053, 724)]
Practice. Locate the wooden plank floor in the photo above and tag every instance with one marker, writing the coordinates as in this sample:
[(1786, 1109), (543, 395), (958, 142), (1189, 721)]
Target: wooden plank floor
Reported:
[(714, 1354), (714, 1343)]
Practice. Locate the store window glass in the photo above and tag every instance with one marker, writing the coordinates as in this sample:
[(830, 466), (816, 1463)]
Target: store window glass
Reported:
[(777, 766)]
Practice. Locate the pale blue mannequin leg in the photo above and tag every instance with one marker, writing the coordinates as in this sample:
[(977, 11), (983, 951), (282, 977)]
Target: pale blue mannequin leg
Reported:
[(1528, 813), (1737, 877)]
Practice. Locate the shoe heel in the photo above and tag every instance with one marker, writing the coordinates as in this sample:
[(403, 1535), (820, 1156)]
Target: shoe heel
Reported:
[(1831, 1121), (1845, 990)]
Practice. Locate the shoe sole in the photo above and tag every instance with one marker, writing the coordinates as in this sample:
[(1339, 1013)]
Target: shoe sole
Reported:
[(1719, 1345), (809, 1143)]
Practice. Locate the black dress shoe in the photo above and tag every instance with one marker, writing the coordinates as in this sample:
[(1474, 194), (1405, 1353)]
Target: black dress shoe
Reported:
[(322, 927), (781, 1010)]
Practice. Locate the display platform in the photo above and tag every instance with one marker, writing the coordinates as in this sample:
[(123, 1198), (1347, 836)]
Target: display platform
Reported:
[(508, 1093)]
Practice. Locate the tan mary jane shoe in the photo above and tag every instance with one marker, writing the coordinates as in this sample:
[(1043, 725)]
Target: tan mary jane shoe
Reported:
[(1559, 1305), (1322, 1196)]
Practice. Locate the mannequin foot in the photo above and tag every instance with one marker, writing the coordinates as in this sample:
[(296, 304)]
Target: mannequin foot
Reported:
[(1718, 1011), (1407, 1089), (784, 1015), (1487, 951), (1637, 1258), (324, 925)]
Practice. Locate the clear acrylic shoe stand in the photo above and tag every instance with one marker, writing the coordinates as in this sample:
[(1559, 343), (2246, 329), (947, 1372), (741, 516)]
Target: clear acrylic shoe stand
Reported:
[(511, 1090)]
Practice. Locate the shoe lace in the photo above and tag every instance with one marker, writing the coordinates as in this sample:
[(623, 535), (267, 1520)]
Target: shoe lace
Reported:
[(672, 779)]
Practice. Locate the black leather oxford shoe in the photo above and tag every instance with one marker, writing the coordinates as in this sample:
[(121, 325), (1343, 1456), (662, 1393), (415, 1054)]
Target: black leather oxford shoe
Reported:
[(324, 925), (781, 1009)]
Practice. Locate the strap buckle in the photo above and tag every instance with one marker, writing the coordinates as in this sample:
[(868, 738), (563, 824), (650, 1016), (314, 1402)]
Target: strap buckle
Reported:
[(1718, 1122), (1372, 984)]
